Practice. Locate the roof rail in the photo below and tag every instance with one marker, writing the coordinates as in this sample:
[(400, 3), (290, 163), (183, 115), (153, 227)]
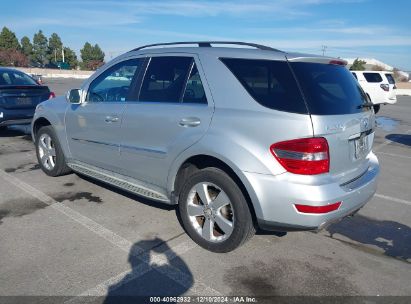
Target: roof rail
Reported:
[(208, 44)]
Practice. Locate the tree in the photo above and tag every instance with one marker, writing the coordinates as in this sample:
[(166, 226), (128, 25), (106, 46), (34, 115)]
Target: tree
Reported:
[(8, 40), (92, 56), (40, 48), (70, 57), (378, 68), (54, 48), (26, 47), (399, 76), (12, 57), (358, 65)]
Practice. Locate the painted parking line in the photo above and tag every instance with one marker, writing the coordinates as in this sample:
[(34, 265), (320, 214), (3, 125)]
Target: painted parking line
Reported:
[(394, 155), (147, 262), (393, 199)]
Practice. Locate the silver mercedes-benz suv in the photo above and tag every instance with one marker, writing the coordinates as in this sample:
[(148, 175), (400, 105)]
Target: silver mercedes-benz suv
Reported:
[(240, 137)]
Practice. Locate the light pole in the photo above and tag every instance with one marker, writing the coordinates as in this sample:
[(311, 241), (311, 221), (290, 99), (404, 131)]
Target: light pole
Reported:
[(324, 48)]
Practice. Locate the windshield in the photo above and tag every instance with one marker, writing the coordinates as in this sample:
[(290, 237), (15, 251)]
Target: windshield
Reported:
[(329, 89), (15, 78)]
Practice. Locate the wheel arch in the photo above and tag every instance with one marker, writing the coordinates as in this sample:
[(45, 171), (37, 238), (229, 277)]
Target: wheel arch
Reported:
[(200, 161), (39, 123)]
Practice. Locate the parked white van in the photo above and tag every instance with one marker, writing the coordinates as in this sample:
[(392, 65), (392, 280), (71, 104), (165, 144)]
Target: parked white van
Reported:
[(378, 85)]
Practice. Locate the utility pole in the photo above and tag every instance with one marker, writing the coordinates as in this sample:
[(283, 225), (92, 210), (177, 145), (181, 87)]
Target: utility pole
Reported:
[(62, 52), (323, 49)]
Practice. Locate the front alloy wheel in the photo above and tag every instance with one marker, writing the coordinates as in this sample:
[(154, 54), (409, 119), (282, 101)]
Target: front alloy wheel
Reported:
[(47, 152)]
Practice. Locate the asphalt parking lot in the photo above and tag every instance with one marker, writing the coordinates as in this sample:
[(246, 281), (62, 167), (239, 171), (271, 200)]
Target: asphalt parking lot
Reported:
[(70, 236)]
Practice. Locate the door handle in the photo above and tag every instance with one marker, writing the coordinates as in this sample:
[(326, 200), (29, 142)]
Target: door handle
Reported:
[(189, 122), (110, 119)]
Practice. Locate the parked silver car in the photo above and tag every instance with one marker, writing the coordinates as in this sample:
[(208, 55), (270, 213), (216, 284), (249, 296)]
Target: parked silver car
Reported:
[(239, 137)]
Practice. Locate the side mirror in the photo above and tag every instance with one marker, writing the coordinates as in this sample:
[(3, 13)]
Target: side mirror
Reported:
[(74, 96)]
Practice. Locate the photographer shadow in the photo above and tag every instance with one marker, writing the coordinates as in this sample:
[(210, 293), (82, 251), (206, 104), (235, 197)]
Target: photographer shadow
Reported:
[(153, 265)]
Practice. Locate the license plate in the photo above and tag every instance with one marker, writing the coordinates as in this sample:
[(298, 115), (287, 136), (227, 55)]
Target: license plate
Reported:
[(23, 101), (361, 147)]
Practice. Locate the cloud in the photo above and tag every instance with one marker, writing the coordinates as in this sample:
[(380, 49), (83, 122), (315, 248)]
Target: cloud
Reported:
[(337, 43)]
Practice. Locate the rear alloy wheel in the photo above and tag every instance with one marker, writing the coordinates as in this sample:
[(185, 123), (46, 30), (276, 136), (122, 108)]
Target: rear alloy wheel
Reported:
[(214, 211), (49, 153)]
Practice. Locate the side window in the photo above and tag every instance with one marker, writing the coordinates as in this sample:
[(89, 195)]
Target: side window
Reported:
[(390, 78), (114, 84), (373, 77), (194, 92), (165, 79), (355, 75)]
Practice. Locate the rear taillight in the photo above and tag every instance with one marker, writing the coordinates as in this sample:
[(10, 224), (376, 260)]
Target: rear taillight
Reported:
[(307, 156), (385, 87), (317, 209), (52, 95)]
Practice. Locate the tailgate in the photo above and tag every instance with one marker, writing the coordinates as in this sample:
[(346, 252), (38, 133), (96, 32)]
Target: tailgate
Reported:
[(350, 138), (339, 112)]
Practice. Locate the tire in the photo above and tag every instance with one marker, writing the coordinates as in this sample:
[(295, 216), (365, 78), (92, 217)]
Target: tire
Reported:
[(235, 216), (376, 108), (56, 163)]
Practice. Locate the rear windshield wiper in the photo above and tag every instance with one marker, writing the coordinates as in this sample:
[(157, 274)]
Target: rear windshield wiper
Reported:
[(366, 105)]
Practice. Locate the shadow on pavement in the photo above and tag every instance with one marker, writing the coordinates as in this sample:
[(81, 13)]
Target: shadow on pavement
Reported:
[(14, 131), (403, 139), (394, 238), (153, 262)]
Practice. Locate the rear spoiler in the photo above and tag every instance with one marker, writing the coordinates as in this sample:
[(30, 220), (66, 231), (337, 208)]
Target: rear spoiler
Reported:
[(323, 60)]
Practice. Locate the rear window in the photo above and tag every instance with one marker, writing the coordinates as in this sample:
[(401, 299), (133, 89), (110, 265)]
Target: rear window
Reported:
[(373, 77), (390, 79), (329, 89), (16, 78), (269, 82)]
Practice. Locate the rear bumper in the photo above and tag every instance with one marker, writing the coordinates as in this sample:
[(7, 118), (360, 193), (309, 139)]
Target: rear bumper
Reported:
[(275, 197), (15, 116)]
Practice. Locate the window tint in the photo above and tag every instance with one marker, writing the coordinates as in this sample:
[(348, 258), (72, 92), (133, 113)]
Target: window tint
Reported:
[(194, 92), (373, 77), (114, 84), (390, 79), (16, 78), (329, 89), (5, 79), (270, 83), (355, 75), (165, 79)]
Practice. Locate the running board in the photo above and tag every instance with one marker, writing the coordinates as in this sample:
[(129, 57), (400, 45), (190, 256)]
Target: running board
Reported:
[(120, 181)]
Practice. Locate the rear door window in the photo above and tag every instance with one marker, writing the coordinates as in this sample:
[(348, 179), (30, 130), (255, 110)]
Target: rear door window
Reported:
[(165, 79), (329, 89), (373, 77), (390, 79), (194, 92), (269, 82)]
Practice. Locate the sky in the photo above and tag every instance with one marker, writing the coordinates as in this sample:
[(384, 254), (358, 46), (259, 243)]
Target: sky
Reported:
[(348, 28)]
